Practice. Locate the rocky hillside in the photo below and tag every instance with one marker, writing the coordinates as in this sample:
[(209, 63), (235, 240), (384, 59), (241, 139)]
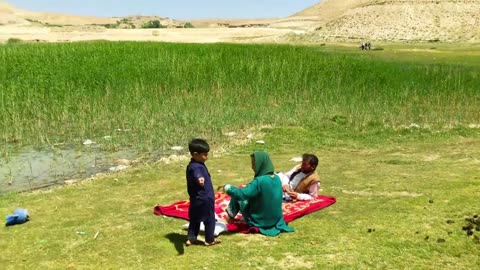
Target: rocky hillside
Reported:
[(395, 20)]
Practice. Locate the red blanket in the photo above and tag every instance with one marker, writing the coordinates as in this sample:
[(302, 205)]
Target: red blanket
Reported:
[(291, 210)]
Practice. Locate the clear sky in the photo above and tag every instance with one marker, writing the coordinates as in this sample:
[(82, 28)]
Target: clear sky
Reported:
[(176, 9)]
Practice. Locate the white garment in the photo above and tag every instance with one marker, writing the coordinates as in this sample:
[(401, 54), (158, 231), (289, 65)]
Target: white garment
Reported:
[(285, 178), (219, 226)]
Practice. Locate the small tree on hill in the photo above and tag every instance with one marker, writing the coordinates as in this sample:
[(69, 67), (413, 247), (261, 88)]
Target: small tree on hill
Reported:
[(188, 25), (153, 24)]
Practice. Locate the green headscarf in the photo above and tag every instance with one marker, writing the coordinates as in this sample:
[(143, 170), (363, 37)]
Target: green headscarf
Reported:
[(263, 163)]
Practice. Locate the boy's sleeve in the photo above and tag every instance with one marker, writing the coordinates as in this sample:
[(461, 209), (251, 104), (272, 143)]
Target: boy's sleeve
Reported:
[(241, 194), (197, 173)]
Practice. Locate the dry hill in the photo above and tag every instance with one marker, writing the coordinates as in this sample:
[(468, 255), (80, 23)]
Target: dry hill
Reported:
[(8, 15), (395, 20), (12, 15)]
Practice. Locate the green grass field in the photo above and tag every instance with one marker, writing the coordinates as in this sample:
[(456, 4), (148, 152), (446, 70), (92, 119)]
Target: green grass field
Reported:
[(411, 186)]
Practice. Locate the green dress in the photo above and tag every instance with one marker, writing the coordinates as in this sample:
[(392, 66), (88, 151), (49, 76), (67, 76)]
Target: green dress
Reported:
[(260, 202)]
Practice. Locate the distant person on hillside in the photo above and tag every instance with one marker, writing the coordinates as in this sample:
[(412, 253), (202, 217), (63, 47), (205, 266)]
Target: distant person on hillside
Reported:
[(302, 182), (366, 46), (201, 193)]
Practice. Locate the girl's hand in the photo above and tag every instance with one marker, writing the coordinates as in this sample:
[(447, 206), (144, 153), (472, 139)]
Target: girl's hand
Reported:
[(226, 187)]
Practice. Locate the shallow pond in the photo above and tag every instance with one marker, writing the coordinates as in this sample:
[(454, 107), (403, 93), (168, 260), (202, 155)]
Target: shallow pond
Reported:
[(29, 168)]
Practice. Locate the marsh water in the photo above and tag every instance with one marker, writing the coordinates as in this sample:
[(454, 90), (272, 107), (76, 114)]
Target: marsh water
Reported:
[(29, 168)]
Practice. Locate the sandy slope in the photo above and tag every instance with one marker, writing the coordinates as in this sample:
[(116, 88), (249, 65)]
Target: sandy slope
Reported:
[(197, 35), (11, 15)]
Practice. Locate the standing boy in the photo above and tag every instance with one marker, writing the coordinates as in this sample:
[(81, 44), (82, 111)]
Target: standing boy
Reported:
[(202, 197)]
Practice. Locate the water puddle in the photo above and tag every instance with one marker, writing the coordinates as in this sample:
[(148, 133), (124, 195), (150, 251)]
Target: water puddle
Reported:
[(29, 169)]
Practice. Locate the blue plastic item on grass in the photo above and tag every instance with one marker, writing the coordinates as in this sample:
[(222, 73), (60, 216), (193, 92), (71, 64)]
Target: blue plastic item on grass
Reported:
[(20, 216)]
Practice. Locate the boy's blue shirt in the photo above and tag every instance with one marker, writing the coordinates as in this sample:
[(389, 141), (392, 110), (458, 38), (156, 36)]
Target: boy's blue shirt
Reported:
[(194, 171)]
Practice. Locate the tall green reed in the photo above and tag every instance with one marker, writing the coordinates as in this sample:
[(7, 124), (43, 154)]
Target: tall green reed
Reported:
[(150, 95)]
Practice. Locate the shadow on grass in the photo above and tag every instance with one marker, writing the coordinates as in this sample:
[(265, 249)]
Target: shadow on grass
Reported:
[(178, 241)]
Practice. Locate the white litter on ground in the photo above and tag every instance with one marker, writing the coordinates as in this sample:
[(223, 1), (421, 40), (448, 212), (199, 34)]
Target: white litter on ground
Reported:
[(296, 159), (88, 142), (177, 148), (118, 168)]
